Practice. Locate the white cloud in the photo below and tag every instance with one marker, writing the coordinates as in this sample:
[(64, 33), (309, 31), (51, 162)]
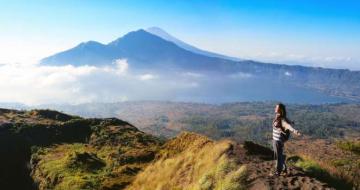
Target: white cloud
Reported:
[(37, 84), (33, 84), (192, 74), (241, 75), (122, 66), (287, 73), (147, 77), (344, 62), (193, 84)]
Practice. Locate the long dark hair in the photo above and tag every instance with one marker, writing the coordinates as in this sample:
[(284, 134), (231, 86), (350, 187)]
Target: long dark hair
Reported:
[(282, 115)]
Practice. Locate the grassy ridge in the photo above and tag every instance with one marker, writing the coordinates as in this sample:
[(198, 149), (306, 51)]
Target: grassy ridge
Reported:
[(69, 152), (193, 162), (109, 160)]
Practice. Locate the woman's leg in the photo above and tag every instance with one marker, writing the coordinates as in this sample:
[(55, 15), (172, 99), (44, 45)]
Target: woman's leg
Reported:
[(278, 147), (281, 155), (284, 163), (278, 155), (275, 152)]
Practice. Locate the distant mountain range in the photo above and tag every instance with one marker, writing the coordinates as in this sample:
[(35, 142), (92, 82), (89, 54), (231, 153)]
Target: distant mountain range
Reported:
[(155, 50)]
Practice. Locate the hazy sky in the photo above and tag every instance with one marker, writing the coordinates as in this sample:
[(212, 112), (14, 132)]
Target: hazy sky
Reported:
[(310, 32)]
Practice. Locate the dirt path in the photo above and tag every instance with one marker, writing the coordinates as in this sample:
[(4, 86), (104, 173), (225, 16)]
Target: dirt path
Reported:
[(260, 165), (296, 179)]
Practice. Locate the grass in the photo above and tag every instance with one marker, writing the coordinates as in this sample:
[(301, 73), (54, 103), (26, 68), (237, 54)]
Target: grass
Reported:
[(58, 165), (192, 162), (226, 175), (316, 170), (79, 166), (341, 162), (110, 159), (352, 146)]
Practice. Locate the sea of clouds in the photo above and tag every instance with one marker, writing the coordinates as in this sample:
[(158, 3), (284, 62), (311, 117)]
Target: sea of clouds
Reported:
[(38, 84)]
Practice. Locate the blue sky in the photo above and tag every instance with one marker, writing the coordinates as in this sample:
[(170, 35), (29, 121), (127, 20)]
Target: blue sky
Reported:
[(316, 33)]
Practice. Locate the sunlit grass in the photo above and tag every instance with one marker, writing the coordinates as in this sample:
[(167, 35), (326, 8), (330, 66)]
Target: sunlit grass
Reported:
[(199, 164), (113, 155), (80, 166), (56, 166), (322, 173)]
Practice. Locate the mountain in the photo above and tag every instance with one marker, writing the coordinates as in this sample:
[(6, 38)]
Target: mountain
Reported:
[(166, 36), (249, 80), (46, 149), (84, 53), (142, 50)]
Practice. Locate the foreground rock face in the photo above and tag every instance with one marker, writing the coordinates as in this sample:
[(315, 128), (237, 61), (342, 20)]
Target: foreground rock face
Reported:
[(19, 131), (43, 149)]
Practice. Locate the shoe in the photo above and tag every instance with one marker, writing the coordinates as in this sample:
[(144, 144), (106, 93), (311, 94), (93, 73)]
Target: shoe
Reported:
[(276, 174), (285, 172)]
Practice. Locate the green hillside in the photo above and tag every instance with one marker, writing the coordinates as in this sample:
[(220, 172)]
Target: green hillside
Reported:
[(45, 149)]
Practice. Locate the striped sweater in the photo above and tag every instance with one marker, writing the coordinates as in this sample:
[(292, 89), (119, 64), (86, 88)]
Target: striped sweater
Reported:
[(277, 131)]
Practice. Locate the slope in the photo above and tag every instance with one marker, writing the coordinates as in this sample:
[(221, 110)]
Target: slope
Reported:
[(44, 149), (192, 161), (142, 50), (166, 36)]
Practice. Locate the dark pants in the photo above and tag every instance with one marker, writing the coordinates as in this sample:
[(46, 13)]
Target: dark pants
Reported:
[(279, 156)]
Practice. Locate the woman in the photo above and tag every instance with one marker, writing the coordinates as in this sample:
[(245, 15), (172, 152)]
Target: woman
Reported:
[(280, 125)]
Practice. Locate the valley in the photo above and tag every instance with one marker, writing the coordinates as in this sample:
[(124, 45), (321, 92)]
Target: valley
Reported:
[(237, 121)]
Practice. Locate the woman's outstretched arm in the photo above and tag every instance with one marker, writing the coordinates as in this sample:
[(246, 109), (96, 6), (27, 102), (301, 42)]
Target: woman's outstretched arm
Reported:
[(287, 125)]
